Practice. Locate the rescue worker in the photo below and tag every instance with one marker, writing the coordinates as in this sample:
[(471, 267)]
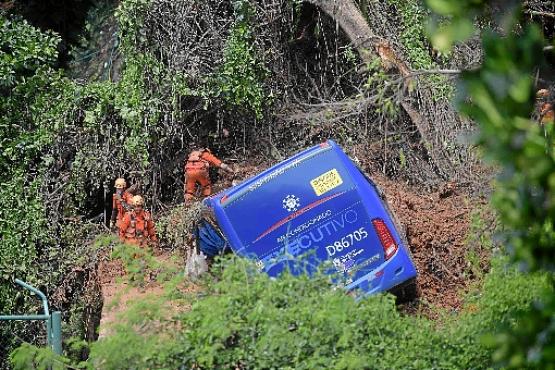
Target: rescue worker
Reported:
[(121, 202), (137, 226), (196, 171), (547, 114)]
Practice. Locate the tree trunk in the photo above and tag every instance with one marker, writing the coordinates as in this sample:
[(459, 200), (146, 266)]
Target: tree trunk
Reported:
[(421, 108)]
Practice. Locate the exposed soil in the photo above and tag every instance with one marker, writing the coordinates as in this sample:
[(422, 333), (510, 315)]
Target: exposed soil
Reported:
[(437, 225), (119, 294)]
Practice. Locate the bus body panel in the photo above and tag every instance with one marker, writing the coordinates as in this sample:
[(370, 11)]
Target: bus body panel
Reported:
[(312, 208)]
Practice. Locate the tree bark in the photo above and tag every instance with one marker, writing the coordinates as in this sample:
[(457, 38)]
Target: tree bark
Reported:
[(368, 45), (351, 20)]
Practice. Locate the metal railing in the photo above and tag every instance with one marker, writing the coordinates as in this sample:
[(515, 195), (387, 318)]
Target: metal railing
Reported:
[(52, 320)]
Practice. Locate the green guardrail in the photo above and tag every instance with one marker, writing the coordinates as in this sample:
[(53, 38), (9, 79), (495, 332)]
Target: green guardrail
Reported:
[(52, 320)]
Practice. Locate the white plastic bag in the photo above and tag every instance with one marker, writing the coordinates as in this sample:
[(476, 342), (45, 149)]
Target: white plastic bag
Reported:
[(196, 265)]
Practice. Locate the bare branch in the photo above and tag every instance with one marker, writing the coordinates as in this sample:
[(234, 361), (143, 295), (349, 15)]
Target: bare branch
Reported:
[(422, 72), (540, 13)]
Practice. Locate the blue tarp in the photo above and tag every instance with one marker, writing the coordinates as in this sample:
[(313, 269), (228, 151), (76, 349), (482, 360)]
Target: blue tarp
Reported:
[(210, 240)]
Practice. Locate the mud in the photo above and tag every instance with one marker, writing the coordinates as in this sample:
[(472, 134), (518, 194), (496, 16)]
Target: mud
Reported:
[(438, 226)]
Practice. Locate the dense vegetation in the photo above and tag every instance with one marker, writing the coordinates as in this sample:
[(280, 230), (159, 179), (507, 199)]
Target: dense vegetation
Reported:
[(503, 93), (245, 319), (62, 141)]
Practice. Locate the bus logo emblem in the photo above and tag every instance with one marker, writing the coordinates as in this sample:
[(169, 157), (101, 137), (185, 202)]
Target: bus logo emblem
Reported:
[(291, 203)]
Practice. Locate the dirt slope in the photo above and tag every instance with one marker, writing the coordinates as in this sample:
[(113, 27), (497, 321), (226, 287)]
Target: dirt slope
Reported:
[(119, 293), (437, 226)]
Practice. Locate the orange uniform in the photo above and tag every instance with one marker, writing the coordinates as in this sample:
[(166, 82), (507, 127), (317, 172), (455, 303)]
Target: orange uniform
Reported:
[(120, 204), (196, 170), (545, 106), (137, 228), (546, 113)]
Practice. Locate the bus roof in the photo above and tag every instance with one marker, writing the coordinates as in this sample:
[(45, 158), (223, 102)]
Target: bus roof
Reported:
[(227, 196)]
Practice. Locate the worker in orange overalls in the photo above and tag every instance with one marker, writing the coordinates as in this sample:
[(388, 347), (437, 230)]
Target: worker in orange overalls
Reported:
[(547, 114), (196, 171), (121, 202), (137, 226)]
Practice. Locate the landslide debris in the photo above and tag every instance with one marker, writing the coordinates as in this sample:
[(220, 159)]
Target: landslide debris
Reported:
[(442, 228)]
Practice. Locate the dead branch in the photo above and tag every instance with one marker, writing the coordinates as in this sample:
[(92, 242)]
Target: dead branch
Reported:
[(421, 108), (540, 13)]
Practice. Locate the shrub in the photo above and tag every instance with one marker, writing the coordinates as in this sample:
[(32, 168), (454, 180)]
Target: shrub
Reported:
[(243, 319)]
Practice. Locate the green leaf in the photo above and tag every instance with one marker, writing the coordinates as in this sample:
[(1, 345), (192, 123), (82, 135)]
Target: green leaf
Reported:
[(443, 37), (446, 7)]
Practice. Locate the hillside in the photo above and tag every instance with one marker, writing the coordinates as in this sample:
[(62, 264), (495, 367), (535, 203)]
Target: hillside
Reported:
[(435, 100)]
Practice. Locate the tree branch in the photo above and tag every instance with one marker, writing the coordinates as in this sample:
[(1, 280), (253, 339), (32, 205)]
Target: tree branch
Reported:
[(540, 13), (421, 72)]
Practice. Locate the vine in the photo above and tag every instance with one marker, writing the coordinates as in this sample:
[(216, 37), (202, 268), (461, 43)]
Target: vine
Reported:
[(413, 18), (239, 78)]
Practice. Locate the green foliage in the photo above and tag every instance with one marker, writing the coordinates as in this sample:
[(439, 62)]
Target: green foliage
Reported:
[(416, 45), (130, 16), (245, 319), (497, 305), (303, 323), (29, 103), (23, 229), (28, 85), (239, 79), (30, 357), (23, 51), (35, 101), (386, 103), (503, 99), (530, 344), (479, 241), (500, 97), (137, 261), (459, 27), (413, 16), (524, 193), (51, 125)]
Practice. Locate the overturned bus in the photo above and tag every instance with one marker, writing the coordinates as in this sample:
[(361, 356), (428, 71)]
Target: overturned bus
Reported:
[(316, 207)]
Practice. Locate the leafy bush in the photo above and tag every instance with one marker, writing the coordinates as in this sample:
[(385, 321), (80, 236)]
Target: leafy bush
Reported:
[(243, 319), (254, 321), (26, 79), (23, 228), (23, 51), (500, 97), (31, 241)]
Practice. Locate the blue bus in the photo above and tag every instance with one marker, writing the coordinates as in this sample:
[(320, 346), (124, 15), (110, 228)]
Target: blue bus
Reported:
[(313, 208)]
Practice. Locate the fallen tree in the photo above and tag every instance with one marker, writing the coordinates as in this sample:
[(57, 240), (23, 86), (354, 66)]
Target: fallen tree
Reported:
[(436, 120)]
